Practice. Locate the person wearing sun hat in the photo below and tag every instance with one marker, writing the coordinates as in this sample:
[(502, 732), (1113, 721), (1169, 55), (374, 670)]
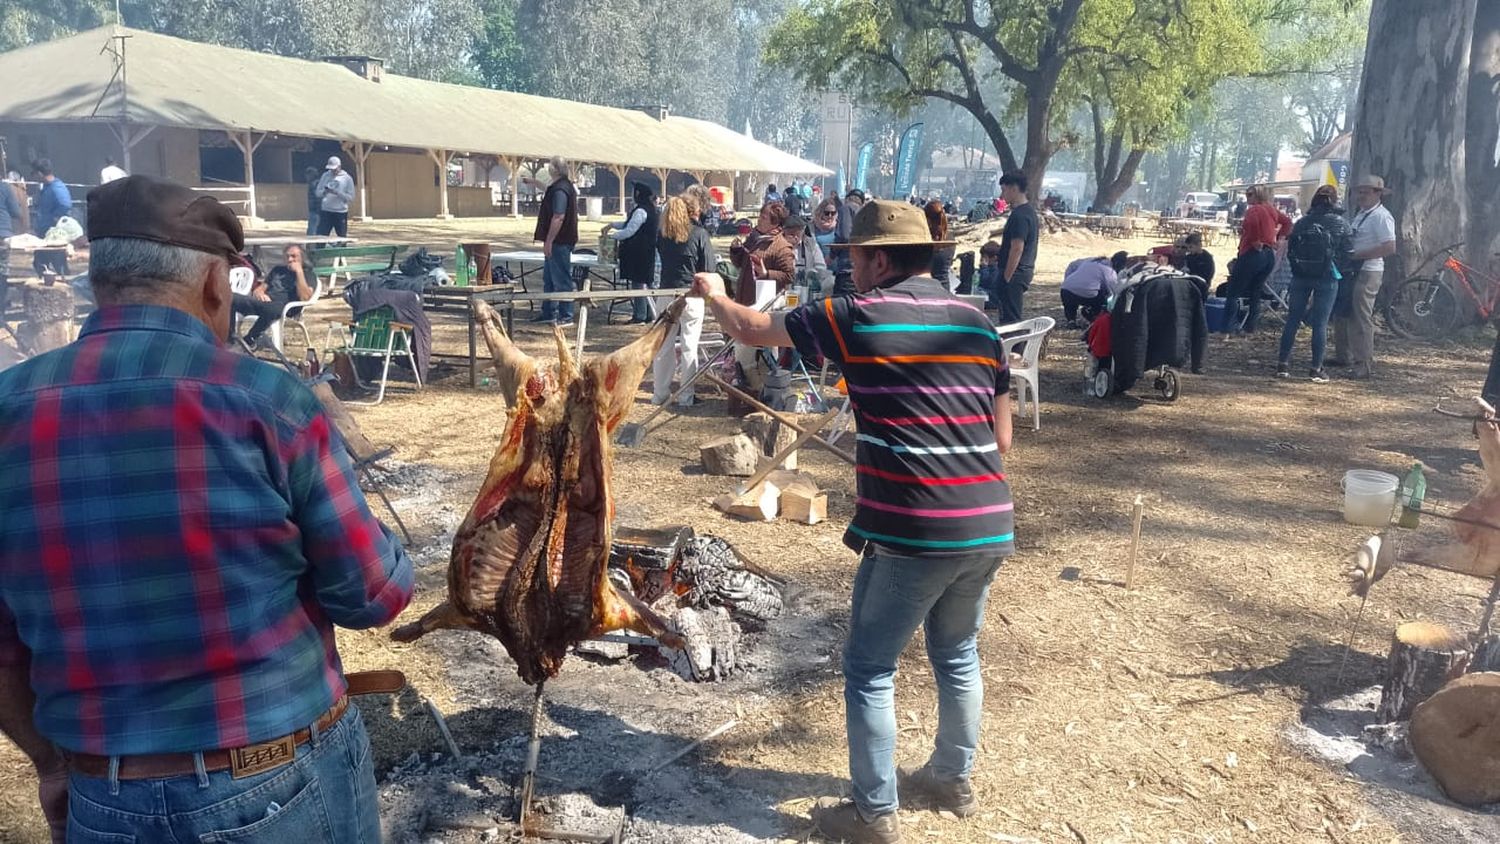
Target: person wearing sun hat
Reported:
[(1374, 240), (182, 531), (929, 384)]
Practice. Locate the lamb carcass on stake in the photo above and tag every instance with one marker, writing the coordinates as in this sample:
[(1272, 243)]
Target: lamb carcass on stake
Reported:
[(530, 561)]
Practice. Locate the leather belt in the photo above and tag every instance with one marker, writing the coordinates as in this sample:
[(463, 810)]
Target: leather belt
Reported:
[(240, 761)]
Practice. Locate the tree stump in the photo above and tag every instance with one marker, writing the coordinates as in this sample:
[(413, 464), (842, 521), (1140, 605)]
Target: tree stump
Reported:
[(771, 436), (731, 455), (1423, 657), (1456, 735), (49, 317)]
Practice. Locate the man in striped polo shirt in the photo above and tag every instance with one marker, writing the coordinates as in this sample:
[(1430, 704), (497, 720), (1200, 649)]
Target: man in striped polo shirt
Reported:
[(930, 389)]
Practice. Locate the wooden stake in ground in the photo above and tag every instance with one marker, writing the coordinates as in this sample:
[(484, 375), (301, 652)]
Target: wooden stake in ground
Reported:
[(1423, 657), (1456, 735), (1135, 542)]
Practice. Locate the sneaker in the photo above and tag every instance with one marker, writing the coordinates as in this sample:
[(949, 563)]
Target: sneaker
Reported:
[(1072, 325), (841, 821), (1318, 376), (1283, 370), (563, 322), (954, 796)]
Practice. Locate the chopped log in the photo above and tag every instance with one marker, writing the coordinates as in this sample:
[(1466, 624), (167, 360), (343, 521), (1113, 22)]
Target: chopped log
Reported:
[(731, 455), (649, 557), (757, 504), (1423, 657), (49, 317), (1456, 735), (801, 504)]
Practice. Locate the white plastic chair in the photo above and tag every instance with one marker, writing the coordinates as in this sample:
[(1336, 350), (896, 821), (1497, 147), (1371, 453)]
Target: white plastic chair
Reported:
[(1025, 365), (292, 312)]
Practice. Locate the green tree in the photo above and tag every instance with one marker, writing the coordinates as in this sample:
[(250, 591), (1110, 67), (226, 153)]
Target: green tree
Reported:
[(499, 53)]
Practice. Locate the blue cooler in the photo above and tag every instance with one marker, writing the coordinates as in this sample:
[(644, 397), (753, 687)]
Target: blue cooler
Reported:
[(1214, 309)]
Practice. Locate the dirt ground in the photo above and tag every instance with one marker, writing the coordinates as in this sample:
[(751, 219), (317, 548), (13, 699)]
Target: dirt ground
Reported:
[(1163, 714)]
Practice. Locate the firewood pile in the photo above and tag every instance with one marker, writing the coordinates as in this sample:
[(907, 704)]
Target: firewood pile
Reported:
[(708, 592)]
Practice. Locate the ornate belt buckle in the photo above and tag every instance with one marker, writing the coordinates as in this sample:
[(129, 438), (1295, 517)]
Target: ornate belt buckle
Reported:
[(258, 758)]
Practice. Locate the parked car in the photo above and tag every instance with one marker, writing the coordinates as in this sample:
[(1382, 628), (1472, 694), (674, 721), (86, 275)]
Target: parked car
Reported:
[(1200, 204)]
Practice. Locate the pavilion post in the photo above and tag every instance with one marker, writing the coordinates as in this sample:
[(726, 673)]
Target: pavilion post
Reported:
[(128, 137), (359, 152), (440, 158), (513, 167), (248, 144), (620, 171), (700, 176), (662, 175)]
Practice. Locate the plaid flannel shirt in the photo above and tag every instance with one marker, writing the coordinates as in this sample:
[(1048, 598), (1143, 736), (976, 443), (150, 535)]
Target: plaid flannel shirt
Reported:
[(180, 529)]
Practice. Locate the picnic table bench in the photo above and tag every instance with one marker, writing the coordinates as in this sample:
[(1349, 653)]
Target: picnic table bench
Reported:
[(333, 262)]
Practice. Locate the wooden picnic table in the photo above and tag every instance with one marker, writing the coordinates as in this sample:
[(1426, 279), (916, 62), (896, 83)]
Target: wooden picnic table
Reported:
[(299, 240)]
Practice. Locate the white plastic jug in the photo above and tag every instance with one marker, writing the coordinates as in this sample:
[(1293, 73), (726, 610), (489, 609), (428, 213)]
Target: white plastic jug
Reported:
[(1369, 497)]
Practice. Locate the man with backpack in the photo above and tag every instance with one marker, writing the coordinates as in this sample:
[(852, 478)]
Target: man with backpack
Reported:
[(1318, 253)]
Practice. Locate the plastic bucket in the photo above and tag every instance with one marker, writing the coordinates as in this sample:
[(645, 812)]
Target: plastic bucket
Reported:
[(1369, 497)]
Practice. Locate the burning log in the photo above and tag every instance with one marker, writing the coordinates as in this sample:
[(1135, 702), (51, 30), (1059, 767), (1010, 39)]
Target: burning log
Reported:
[(1423, 657), (1456, 735)]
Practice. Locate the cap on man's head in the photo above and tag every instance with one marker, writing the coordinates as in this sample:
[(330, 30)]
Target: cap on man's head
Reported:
[(889, 222), (793, 223), (333, 163), (148, 208), (856, 193)]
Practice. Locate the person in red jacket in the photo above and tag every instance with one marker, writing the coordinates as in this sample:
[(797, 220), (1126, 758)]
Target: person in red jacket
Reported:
[(1262, 227)]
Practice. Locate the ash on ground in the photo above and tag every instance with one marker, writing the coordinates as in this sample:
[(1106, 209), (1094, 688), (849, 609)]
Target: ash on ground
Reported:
[(614, 728), (1343, 732)]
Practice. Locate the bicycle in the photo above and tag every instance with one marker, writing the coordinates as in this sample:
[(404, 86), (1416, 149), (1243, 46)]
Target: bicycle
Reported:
[(1427, 307)]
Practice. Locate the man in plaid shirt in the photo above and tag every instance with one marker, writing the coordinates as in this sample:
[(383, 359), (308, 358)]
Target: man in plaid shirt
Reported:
[(180, 530)]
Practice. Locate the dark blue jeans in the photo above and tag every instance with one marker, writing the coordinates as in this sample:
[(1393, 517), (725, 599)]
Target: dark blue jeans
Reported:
[(557, 277), (1247, 280), (893, 595), (1310, 299), (326, 796)]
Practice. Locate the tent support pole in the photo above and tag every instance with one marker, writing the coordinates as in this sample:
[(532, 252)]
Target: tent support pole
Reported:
[(513, 167), (662, 175), (248, 144), (128, 138), (360, 151)]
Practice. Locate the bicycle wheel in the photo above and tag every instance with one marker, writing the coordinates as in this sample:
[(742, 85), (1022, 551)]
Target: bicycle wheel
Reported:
[(1422, 309)]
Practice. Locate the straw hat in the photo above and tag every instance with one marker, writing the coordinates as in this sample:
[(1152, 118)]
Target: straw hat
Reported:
[(1372, 182), (886, 222)]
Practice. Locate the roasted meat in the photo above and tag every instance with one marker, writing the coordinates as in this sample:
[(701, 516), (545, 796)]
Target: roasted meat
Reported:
[(530, 561)]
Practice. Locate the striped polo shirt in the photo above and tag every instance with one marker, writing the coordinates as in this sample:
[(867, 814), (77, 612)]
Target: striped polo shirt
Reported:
[(923, 370)]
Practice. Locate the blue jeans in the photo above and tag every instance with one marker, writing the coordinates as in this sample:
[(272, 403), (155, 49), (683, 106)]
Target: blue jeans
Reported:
[(894, 594), (312, 221), (1323, 292), (557, 277), (326, 796), (1247, 280), (640, 308)]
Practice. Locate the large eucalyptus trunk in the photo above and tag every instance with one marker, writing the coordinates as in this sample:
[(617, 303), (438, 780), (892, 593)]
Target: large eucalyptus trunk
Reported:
[(1482, 146), (1411, 119)]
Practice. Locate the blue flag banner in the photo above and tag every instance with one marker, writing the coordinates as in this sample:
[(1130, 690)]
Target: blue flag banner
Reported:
[(840, 180), (862, 166), (906, 160)]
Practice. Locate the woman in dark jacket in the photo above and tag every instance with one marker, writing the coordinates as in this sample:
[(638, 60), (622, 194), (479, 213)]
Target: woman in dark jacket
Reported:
[(685, 249), (637, 237), (1318, 251), (942, 259)]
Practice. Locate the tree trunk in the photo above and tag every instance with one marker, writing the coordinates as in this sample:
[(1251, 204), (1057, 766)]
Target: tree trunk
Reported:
[(1410, 122), (1038, 143), (1117, 176), (1482, 145)]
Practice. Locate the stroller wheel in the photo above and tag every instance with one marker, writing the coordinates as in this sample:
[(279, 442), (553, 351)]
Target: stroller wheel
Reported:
[(1166, 384), (1101, 383)]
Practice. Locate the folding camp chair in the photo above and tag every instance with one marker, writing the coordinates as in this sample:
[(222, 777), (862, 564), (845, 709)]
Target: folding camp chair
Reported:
[(376, 334)]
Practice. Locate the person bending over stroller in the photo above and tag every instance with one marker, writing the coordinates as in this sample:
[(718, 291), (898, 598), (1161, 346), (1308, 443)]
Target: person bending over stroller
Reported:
[(1087, 284)]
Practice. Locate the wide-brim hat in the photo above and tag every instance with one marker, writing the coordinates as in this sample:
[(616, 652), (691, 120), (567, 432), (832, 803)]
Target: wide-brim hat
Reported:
[(886, 222), (1375, 182)]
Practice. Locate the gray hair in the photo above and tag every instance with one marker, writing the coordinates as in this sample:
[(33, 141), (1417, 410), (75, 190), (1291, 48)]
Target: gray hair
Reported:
[(559, 166), (132, 271)]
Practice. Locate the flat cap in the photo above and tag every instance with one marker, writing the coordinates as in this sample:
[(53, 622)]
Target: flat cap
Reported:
[(149, 208)]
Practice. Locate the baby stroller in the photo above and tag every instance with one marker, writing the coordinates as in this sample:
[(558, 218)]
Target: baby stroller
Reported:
[(1155, 326)]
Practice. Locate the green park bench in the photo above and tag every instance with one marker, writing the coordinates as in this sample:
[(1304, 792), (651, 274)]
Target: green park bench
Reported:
[(349, 262)]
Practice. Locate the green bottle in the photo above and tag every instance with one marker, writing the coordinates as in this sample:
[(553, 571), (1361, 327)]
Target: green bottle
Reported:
[(1413, 491), (461, 268)]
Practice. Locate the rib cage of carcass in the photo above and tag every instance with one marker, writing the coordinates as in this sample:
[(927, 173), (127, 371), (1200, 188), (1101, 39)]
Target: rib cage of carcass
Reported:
[(530, 561)]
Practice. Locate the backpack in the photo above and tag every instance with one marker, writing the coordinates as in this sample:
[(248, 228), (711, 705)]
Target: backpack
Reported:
[(1310, 251)]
